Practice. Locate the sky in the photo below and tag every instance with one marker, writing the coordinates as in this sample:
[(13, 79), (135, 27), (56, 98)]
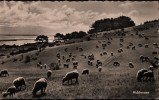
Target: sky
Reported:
[(47, 17)]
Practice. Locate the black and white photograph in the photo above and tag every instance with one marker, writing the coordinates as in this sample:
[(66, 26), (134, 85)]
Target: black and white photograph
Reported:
[(79, 49)]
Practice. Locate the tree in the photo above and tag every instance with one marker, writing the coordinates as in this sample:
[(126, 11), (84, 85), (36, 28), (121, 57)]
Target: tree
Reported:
[(42, 38), (111, 24), (59, 36)]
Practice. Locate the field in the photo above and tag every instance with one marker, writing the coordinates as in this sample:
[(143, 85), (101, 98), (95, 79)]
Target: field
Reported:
[(112, 83)]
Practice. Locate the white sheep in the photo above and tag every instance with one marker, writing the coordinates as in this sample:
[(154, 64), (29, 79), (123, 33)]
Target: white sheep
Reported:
[(40, 84), (49, 73), (19, 82), (10, 91), (100, 68)]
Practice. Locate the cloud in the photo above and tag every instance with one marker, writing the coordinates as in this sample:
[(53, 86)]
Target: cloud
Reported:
[(63, 19)]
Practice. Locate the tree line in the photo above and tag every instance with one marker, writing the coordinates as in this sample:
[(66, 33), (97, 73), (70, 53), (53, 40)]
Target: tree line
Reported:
[(98, 26), (111, 24)]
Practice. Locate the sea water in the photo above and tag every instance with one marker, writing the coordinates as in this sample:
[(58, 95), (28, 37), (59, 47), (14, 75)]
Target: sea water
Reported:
[(19, 40)]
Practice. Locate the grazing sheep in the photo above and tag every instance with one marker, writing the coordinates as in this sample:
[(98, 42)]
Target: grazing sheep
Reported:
[(5, 94), (121, 40), (146, 59), (155, 44), (99, 68), (40, 84), (116, 64), (101, 54), (121, 45), (19, 82), (45, 66), (58, 55), (149, 75), (63, 57), (90, 62), (10, 91), (154, 52), (70, 55), (130, 44), (109, 42), (80, 49), (49, 73), (4, 73), (131, 65), (85, 71), (73, 59), (133, 48), (91, 57), (67, 60), (41, 66), (140, 74), (71, 75), (97, 46), (104, 45), (142, 58), (38, 65), (75, 63), (104, 53), (111, 53), (66, 65), (146, 45), (151, 67), (140, 45), (127, 47), (59, 61)]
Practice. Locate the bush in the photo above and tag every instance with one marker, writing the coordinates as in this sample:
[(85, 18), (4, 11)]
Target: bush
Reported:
[(27, 59)]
